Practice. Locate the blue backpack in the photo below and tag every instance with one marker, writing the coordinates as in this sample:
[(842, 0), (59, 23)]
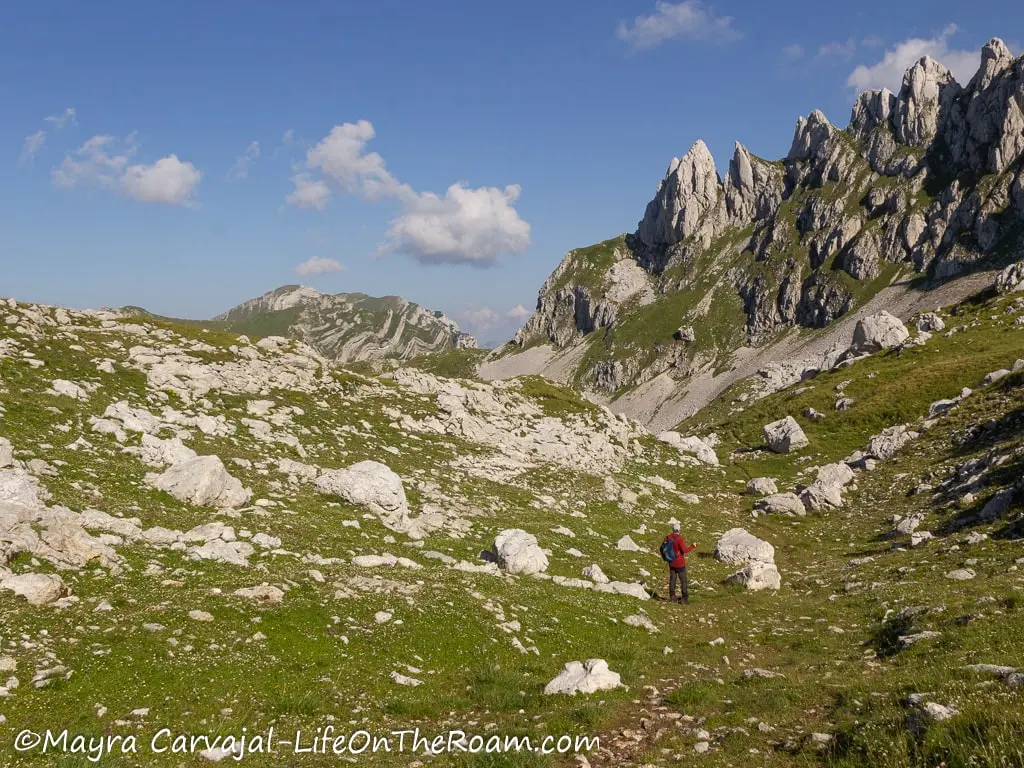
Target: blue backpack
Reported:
[(668, 549)]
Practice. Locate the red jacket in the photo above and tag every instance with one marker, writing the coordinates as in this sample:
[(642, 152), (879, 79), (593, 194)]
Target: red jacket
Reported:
[(682, 549)]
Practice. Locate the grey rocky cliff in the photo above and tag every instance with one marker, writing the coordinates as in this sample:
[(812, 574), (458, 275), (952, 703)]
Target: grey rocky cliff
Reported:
[(928, 180), (348, 327), (690, 189)]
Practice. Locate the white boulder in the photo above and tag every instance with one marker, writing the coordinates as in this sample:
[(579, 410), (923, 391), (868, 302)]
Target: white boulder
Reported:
[(36, 588), (517, 552), (757, 576), (693, 446), (1011, 279), (762, 486), (589, 677), (626, 544), (781, 504), (739, 546), (877, 332), (203, 481), (890, 440), (6, 453), (68, 389), (372, 485), (785, 435)]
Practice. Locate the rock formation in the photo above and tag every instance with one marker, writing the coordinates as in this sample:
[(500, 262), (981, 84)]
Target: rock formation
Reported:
[(929, 180), (346, 327)]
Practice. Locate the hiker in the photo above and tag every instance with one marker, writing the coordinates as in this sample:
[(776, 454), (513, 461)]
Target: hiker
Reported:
[(673, 551)]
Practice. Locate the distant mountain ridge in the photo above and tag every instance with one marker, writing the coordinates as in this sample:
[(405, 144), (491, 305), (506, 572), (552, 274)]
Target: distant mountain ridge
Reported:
[(347, 327), (762, 269)]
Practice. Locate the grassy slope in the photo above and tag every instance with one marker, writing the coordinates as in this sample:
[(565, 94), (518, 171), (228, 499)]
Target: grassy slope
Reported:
[(450, 363), (834, 682)]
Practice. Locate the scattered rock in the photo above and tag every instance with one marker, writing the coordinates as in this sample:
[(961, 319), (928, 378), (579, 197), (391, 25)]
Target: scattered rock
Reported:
[(762, 486), (785, 435), (517, 552), (202, 481), (36, 588), (372, 485), (781, 504), (738, 546), (961, 574), (589, 677), (877, 332)]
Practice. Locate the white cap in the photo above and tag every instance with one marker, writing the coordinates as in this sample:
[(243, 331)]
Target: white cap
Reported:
[(675, 526)]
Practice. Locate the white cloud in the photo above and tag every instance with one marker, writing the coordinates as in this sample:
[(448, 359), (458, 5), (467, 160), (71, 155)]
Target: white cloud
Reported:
[(240, 170), (466, 225), (103, 161), (342, 156), (35, 142), (168, 181), (318, 265), (888, 73), (68, 116), (838, 50), (793, 52), (32, 145), (309, 192), (100, 161), (480, 320), (687, 20), (518, 313)]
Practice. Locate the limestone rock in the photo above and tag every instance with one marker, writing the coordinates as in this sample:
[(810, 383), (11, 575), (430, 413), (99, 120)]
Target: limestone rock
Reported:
[(263, 594), (588, 677), (594, 573), (923, 102), (781, 504), (738, 546), (961, 574), (1011, 279), (694, 446), (372, 485), (36, 588), (753, 188), (517, 552), (626, 544), (827, 488), (877, 332), (890, 440), (69, 389), (689, 190), (641, 622), (785, 435), (6, 453), (203, 481), (870, 110), (762, 486), (930, 322), (757, 576)]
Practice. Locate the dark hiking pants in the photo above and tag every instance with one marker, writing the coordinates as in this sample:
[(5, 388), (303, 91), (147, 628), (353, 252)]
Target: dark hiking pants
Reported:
[(680, 574)]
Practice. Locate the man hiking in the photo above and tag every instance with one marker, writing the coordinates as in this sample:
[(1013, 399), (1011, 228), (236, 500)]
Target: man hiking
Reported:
[(673, 551)]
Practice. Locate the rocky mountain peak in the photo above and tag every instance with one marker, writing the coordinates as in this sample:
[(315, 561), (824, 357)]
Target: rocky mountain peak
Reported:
[(810, 136), (347, 326), (996, 58), (689, 190), (753, 188), (928, 91), (871, 109), (927, 181)]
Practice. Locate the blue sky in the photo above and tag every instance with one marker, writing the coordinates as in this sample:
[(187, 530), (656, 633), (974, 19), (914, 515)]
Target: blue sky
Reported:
[(187, 156)]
